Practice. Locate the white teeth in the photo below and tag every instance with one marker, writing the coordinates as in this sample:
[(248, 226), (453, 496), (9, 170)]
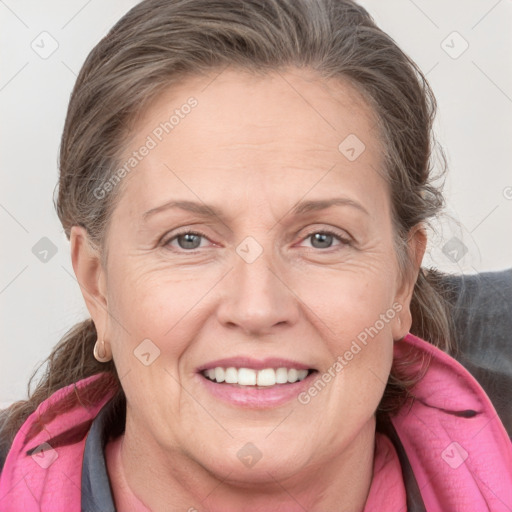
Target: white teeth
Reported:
[(301, 374), (246, 377), (266, 377), (231, 376), (250, 377), (219, 374), (292, 375), (282, 375)]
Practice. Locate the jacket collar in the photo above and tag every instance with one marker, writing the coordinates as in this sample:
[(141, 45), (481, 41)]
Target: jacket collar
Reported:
[(96, 490)]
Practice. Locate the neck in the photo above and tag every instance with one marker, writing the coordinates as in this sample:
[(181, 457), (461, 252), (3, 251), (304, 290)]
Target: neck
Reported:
[(158, 478)]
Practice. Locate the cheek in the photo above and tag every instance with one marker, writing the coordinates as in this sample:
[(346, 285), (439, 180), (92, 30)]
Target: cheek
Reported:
[(351, 305), (354, 314), (167, 307), (154, 322), (144, 307)]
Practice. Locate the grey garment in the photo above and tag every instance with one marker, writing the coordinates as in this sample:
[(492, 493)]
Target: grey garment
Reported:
[(96, 490), (483, 322)]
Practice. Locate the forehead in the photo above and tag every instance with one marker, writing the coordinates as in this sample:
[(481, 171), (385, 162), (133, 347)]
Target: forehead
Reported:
[(240, 106), (212, 134)]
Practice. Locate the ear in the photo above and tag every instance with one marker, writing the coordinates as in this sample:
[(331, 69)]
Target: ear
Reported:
[(91, 277), (416, 245)]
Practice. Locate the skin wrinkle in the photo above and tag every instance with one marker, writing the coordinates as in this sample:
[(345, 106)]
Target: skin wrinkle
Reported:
[(173, 451)]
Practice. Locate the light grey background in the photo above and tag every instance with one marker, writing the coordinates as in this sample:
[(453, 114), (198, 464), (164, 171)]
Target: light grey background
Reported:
[(40, 300)]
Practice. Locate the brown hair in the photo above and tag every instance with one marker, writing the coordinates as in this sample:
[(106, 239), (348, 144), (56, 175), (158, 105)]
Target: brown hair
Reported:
[(160, 42)]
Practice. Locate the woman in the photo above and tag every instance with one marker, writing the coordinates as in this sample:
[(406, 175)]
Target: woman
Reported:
[(246, 187)]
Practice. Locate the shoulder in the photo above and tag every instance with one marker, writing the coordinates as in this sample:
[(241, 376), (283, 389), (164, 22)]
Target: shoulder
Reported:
[(61, 419), (483, 331), (483, 313), (451, 421)]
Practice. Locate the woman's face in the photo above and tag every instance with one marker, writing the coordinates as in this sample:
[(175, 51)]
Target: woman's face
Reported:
[(291, 265)]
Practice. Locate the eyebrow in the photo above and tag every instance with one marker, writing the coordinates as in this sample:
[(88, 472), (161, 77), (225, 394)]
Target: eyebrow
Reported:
[(191, 206), (322, 204), (300, 208)]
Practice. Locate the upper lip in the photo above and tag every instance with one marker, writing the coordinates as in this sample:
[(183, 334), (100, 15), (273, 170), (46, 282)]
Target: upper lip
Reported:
[(255, 364)]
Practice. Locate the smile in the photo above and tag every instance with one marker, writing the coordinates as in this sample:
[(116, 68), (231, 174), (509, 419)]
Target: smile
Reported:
[(249, 377), (245, 382)]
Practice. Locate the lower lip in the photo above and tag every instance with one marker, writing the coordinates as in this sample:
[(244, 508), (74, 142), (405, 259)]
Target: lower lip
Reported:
[(256, 397)]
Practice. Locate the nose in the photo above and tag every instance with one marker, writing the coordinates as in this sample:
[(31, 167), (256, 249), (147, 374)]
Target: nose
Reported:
[(256, 297)]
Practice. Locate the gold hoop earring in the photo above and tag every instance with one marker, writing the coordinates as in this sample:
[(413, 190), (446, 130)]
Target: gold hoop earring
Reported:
[(100, 352)]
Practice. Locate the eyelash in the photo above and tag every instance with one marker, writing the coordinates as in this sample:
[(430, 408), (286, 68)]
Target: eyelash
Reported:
[(344, 241)]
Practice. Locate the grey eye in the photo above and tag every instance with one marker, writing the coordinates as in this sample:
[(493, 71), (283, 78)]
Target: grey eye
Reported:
[(189, 241), (321, 240)]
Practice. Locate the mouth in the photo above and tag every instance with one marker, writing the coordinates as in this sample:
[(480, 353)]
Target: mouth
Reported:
[(256, 384), (260, 379)]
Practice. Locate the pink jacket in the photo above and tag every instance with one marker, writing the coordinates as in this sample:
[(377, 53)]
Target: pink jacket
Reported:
[(457, 447)]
